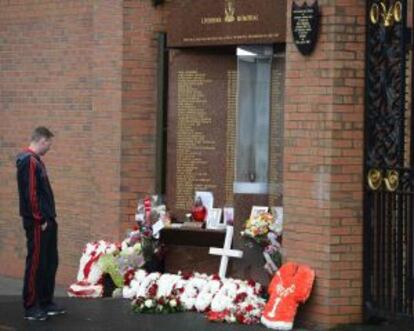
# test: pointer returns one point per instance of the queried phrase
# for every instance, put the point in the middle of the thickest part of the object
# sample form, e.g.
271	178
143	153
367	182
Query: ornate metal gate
389	185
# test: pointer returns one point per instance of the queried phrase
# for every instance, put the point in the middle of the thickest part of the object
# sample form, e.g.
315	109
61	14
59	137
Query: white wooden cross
226	252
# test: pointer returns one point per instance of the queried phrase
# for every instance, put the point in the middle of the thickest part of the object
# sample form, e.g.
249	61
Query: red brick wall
323	160
61	67
139	103
87	69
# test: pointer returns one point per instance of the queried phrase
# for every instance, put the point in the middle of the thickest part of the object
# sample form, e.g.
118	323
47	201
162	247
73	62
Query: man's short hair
41	132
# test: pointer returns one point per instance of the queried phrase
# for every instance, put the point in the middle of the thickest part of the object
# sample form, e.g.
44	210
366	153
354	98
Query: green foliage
109	265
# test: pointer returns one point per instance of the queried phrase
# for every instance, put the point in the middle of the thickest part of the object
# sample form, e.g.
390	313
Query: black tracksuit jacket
37	204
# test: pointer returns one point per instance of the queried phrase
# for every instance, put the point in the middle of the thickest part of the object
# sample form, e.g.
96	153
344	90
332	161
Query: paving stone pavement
116	314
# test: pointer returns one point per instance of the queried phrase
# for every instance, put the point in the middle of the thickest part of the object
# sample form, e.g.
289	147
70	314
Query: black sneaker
35	314
53	310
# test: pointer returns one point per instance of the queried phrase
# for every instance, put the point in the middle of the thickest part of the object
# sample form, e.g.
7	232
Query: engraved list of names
201	127
192	139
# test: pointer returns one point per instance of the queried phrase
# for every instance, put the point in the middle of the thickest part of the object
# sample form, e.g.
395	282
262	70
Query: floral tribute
265	230
120	260
89	281
222	300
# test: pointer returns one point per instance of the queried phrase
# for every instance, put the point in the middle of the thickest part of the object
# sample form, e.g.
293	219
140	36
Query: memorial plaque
276	132
305	26
226	22
201	143
200	130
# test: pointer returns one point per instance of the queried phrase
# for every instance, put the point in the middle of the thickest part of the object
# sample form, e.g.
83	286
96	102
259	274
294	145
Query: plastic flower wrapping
118	260
266	230
130	257
150	211
258	227
140	249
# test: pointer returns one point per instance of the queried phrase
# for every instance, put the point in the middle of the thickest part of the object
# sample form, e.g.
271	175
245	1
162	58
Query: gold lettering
211	20
192	141
237	37
247	18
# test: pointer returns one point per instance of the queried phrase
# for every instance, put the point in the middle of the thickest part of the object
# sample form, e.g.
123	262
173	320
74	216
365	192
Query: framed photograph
214	218
257	210
228	216
277	213
206	197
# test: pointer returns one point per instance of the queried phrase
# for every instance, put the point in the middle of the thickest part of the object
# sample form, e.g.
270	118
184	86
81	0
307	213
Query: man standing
37	209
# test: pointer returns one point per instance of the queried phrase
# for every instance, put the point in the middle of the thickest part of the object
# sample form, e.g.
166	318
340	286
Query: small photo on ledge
214	219
257	210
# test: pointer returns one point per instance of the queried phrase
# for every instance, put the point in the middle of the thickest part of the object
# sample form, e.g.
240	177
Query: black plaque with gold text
226	22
